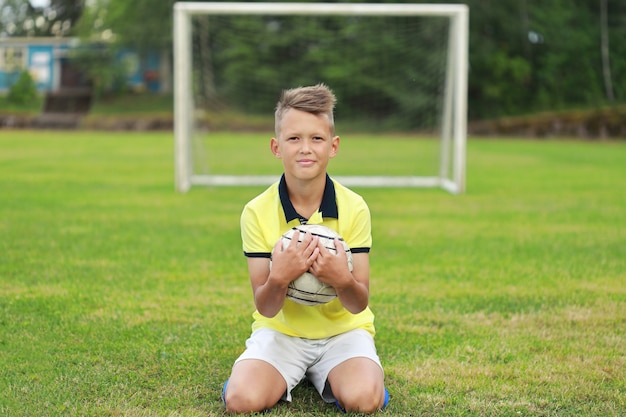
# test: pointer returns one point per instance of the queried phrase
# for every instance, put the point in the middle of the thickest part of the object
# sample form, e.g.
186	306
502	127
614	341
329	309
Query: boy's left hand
332	269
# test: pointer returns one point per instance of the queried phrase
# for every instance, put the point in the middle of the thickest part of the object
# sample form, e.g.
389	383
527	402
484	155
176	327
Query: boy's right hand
294	260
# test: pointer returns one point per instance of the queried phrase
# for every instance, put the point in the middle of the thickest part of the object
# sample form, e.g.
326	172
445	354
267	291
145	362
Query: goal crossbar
362	9
454	124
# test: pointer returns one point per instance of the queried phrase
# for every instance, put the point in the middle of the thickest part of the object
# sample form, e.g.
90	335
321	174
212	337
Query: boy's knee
248	401
363	399
254	386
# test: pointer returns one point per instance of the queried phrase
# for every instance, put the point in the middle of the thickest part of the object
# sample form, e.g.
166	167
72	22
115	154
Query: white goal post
452	163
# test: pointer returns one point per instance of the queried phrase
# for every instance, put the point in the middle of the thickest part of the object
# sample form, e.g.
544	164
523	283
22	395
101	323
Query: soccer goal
396	69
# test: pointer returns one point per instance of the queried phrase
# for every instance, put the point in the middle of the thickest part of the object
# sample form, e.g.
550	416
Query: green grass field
120	297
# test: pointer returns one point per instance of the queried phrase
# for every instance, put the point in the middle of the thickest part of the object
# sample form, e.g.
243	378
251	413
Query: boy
331	344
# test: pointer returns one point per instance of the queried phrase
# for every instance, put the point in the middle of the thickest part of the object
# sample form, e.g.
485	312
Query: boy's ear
334	146
274	147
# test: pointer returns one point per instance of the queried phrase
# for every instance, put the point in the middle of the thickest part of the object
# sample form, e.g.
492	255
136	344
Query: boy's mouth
306	162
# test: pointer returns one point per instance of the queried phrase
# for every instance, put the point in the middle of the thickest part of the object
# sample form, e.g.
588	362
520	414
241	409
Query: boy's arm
268	299
355	295
269	285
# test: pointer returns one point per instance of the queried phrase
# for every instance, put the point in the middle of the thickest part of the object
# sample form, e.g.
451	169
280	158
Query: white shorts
297	358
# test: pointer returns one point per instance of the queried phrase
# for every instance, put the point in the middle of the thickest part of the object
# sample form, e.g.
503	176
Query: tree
606	61
140	24
525	56
501	58
24	91
14	15
528	56
62	16
21	18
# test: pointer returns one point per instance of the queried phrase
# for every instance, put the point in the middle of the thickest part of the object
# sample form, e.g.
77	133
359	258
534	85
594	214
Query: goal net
399	72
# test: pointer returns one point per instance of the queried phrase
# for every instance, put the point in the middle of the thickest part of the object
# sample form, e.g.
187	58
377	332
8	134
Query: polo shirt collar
328	208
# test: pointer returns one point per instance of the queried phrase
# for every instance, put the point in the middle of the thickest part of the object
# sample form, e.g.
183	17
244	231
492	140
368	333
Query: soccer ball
307	289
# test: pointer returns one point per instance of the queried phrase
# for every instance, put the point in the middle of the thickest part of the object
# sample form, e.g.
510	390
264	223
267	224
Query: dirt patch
597	124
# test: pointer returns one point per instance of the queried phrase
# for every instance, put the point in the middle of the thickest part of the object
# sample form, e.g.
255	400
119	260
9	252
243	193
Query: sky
39	3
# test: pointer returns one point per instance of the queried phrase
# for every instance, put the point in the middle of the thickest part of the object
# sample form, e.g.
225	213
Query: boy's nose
306	146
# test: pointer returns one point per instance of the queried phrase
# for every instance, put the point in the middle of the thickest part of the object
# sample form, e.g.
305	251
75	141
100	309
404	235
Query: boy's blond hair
317	99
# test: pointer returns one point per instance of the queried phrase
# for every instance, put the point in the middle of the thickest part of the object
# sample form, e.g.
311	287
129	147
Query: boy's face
305	144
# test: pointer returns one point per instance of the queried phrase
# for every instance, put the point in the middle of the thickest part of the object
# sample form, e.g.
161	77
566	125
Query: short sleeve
253	242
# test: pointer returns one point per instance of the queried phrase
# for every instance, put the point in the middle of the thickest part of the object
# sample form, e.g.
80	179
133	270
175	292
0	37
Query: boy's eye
318	138
292	138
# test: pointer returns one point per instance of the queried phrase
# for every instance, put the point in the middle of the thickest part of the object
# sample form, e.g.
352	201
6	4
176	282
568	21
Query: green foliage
56	18
550	52
133	104
144	25
354	56
98	61
121	297
23	91
524	56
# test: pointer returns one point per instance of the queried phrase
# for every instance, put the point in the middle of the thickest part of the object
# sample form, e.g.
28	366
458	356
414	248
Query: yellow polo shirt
263	221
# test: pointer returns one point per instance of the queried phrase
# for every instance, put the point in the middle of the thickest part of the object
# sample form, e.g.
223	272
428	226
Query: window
12	58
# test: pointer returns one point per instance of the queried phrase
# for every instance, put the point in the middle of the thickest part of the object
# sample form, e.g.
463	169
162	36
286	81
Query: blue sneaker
382	408
386	399
224	392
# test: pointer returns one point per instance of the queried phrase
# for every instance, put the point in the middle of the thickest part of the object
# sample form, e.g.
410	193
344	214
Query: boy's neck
306	196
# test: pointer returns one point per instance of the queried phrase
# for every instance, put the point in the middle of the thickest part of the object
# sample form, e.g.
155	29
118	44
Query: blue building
46	58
